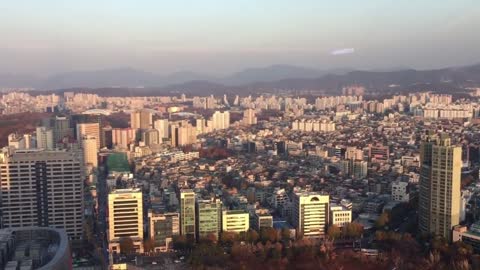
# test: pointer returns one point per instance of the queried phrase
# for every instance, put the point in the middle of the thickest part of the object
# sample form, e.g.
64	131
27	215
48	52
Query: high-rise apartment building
150	137
106	137
359	169
249	117
141	119
187	134
209	218
310	214
440	173
90	130
90	150
200	125
122	137
42	188
175	130
162	126
125	218
44	137
187	213
183	133
220	120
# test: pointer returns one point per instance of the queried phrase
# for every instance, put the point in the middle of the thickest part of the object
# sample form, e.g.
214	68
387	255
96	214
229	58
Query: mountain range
129	77
271	77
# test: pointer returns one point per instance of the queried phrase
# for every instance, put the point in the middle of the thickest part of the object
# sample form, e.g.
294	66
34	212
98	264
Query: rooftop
34	248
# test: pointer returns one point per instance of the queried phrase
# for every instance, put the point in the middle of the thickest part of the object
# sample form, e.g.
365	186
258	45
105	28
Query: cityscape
333	135
213	181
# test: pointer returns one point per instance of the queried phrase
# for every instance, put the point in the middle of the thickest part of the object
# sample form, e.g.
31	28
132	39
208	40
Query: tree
285	234
212	238
179	242
149	245
228	237
251	197
334	232
88	229
206	255
252	236
382	220
268	234
126	245
352	230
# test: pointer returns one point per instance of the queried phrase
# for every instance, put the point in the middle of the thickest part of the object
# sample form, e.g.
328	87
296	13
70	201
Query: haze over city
48	37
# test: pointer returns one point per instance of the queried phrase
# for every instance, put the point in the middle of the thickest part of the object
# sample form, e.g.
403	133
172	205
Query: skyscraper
220	120
90	150
209	218
141	119
249	117
90	130
44	138
61	129
122	137
106	137
187	134
310	214
200	125
42	188
162	126
440	173
150	137
175	132
125	209
187	213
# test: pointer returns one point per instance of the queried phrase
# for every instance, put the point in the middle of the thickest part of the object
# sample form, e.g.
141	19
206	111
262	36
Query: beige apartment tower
90	151
90	130
440	173
125	218
141	119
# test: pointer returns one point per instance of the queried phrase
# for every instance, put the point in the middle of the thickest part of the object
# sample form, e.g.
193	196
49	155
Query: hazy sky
221	36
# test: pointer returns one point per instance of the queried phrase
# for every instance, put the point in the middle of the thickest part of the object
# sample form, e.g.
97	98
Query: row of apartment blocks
199	218
318	125
16	102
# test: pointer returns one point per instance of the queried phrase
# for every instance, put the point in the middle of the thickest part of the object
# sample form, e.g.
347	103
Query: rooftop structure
38	248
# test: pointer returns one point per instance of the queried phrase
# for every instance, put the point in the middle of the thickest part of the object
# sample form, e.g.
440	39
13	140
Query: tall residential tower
440	173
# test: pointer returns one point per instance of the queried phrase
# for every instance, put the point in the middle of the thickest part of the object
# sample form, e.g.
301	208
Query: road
102	195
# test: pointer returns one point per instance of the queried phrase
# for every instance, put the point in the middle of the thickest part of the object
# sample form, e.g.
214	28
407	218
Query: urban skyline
240	135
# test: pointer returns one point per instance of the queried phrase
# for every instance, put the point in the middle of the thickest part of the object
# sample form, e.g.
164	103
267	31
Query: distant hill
125	77
374	80
250	80
271	73
18	80
129	77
